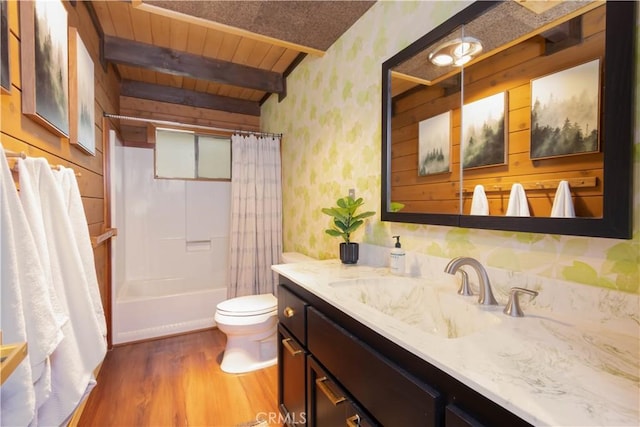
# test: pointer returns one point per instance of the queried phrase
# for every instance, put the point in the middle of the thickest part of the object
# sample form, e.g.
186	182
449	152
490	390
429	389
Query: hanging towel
518	205
42	316
479	203
83	346
75	209
562	203
17	398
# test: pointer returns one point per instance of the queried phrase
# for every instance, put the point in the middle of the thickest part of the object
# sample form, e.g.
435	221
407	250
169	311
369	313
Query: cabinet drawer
329	405
391	395
292	313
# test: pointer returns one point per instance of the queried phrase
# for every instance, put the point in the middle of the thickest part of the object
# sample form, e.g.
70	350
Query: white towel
517	201
17	398
43	317
479	203
562	203
73	201
83	346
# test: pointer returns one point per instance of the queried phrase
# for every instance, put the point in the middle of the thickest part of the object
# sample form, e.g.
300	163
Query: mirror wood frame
617	121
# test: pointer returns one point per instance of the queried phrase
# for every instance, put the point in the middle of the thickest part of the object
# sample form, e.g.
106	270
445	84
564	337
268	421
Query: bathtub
154	308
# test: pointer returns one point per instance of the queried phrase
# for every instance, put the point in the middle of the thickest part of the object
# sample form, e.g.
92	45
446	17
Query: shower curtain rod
187	125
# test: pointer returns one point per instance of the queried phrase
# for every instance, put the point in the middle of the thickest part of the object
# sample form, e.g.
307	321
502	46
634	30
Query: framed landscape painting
565	112
434	145
483	132
5	75
44	48
81	91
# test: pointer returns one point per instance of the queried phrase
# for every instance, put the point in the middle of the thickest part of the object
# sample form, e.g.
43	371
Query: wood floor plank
177	381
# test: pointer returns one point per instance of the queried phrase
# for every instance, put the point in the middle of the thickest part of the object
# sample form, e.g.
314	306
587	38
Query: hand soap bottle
396	263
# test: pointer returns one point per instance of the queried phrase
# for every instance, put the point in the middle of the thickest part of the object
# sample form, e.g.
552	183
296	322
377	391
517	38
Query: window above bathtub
181	154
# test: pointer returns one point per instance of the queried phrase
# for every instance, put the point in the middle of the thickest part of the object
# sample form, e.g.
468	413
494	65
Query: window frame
197	133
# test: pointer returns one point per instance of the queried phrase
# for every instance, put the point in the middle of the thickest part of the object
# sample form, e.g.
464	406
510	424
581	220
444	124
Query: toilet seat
250	305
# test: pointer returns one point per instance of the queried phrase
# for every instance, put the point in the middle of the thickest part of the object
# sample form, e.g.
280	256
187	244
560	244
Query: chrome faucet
486	295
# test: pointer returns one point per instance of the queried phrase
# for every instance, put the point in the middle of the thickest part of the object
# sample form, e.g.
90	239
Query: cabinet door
292	314
291	378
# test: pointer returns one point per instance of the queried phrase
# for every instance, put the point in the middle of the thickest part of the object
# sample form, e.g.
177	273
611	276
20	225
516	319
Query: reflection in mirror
546	130
425	131
528	109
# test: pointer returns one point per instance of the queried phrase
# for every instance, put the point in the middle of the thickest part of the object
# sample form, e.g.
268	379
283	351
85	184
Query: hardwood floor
177	381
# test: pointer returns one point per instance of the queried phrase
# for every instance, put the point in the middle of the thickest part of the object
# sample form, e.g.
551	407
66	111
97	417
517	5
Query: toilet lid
250	305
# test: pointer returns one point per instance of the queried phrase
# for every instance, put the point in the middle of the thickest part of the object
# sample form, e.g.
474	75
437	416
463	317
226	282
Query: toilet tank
294	257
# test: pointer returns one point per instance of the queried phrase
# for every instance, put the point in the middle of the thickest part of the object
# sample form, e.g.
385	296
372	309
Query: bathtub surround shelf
552	367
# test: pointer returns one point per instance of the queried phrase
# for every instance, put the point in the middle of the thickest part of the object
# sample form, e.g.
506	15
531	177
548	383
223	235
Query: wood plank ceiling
223	55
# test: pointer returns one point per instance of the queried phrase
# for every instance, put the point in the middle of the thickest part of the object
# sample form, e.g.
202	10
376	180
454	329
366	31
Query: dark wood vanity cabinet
292	352
353	376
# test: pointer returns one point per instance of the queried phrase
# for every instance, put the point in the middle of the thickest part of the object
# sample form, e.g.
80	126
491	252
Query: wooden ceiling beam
191	98
170	61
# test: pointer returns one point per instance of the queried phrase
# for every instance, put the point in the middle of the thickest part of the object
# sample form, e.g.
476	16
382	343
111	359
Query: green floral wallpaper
331	121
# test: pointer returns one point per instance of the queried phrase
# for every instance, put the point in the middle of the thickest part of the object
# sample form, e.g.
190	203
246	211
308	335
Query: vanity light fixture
456	52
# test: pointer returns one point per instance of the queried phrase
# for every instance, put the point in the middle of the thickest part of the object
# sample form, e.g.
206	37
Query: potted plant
345	222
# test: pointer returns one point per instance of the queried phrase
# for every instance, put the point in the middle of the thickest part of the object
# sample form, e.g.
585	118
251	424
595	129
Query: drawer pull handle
322	385
289	312
353	421
289	346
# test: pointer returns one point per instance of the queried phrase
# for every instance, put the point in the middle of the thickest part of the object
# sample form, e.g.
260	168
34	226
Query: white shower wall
177	232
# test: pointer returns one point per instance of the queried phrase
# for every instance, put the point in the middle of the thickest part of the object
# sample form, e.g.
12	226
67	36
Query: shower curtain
255	241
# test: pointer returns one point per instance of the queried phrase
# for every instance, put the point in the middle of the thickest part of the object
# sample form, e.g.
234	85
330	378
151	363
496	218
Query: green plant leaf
396	206
364	215
342	225
354	226
344	218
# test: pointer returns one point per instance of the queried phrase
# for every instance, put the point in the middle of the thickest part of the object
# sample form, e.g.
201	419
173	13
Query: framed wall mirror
514	116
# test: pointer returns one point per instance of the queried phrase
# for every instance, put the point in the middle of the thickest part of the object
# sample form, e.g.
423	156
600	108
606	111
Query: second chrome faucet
486	295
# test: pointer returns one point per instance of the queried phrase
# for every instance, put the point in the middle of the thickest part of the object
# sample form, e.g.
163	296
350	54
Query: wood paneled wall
19	133
510	71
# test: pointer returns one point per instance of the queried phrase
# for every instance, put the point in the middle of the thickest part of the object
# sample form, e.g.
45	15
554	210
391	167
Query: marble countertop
573	360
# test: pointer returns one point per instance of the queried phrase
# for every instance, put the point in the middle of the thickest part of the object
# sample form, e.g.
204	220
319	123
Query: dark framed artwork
565	110
5	69
81	94
483	132
434	145
45	64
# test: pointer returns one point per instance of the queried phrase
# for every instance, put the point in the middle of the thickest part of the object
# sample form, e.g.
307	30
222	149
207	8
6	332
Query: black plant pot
349	253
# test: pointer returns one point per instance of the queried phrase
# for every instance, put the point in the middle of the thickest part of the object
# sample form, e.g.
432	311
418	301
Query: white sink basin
420	304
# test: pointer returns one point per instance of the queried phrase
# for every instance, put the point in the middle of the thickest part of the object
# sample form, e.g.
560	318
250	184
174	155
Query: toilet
250	324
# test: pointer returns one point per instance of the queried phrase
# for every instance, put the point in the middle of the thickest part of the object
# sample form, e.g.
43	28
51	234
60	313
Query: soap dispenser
396	263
